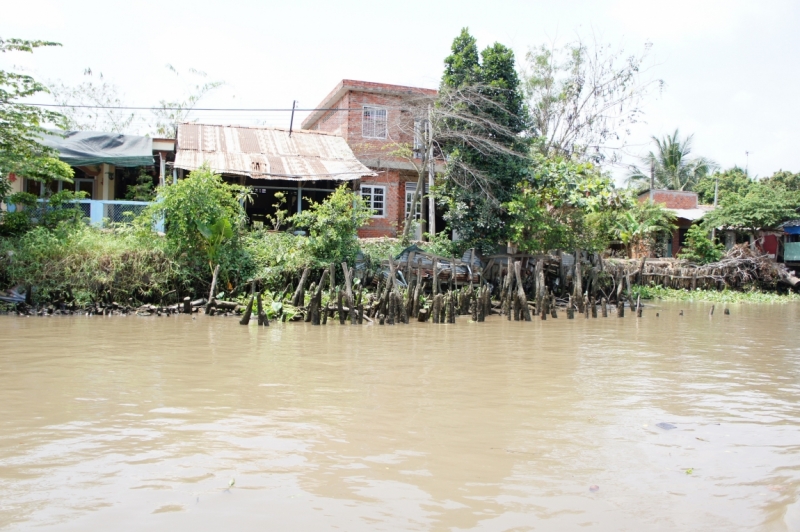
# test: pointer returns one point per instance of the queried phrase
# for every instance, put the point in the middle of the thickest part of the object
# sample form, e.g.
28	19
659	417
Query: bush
191	208
56	210
81	263
699	247
333	226
274	257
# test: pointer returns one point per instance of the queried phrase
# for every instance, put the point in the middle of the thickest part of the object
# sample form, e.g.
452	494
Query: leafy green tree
21	153
783	179
481	175
640	225
192	205
732	180
561	205
699	247
759	207
462	66
333	225
674	168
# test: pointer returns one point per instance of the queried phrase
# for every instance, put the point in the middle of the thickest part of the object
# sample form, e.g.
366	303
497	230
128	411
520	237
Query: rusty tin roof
267	153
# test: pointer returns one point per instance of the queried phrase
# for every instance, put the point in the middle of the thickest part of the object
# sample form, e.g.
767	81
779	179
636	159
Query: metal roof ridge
262	128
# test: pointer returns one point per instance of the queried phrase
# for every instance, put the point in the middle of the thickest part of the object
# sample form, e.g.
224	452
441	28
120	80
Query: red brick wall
348	124
672	199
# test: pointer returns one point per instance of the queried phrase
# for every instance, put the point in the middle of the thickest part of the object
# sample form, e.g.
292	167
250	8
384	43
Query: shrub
86	264
189	209
699	247
333	226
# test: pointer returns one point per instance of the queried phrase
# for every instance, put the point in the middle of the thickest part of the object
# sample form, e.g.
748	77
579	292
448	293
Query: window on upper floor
374	123
375	198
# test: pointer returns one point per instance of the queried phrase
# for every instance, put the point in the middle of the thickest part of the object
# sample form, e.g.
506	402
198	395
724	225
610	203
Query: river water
131	423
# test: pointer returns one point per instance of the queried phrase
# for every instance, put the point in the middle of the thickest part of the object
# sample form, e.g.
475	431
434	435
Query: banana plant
215	235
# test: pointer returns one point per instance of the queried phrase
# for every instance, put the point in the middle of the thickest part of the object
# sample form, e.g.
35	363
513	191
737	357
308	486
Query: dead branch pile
740	266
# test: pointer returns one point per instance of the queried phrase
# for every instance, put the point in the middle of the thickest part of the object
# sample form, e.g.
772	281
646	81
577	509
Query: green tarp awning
86	148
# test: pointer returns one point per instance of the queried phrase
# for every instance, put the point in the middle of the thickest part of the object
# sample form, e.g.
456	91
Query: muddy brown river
660	423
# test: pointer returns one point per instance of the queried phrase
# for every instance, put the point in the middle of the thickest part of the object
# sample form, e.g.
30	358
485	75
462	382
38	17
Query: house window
375	198
411	189
373	123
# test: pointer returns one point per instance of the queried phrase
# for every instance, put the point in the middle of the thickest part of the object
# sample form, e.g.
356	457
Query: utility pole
747	164
431	170
291	120
716	198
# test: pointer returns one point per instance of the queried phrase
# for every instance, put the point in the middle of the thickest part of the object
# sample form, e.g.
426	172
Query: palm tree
639	225
673	168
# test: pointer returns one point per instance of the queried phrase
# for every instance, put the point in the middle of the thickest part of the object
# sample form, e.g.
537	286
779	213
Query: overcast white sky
731	67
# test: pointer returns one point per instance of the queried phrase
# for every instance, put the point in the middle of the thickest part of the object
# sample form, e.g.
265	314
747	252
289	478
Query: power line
127	108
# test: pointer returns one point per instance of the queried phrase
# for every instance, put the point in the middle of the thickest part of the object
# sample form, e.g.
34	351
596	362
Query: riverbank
715	296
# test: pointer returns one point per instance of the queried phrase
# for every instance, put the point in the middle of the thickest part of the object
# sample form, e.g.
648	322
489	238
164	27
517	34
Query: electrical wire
233	109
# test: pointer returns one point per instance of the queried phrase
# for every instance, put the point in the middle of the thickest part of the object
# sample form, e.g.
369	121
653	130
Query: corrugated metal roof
267	153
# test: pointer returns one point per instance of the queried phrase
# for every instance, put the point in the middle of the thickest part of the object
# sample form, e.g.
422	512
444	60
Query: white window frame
368	193
365	133
411	189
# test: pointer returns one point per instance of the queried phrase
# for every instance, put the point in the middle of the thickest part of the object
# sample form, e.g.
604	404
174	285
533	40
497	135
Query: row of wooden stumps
514	301
391	304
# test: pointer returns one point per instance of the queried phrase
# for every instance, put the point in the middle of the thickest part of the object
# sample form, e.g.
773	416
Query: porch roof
267	153
85	148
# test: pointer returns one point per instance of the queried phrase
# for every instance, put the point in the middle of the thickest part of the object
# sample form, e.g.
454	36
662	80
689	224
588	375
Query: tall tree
478	181
583	97
759	207
21	153
93	105
674	168
725	182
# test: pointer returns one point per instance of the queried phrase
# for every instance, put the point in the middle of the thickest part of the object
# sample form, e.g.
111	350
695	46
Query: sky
730	68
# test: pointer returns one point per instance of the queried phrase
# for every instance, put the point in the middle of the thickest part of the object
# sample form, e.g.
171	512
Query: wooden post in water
316	300
586	306
187	305
638	307
262	316
578	281
523	299
340	306
417	290
594	307
545	307
310	309
211	292
437	308
348	284
604	307
539	274
570	310
299	294
247	311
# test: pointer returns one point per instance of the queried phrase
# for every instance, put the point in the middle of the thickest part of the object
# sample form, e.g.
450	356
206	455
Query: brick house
683	204
374	120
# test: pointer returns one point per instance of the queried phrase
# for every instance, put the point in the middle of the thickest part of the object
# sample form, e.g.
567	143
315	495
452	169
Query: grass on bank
713	296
